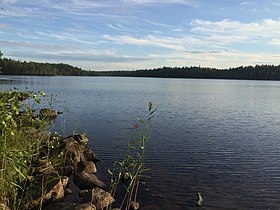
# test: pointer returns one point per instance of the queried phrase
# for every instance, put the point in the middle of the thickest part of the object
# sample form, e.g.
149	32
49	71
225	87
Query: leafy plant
22	136
130	170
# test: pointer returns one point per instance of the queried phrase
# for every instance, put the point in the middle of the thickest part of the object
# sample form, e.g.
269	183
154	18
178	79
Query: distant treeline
12	67
258	72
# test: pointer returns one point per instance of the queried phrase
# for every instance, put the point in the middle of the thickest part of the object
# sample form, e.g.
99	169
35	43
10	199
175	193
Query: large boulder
53	189
81	138
85	180
89	155
72	152
86	166
97	196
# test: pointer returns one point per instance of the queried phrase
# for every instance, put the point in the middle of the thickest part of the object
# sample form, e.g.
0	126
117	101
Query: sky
141	34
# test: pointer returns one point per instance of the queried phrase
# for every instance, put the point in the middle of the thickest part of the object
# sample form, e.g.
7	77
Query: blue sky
137	34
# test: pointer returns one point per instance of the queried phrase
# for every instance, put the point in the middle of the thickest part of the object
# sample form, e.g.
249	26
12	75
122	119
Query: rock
85	206
4	207
87	166
64	181
61	206
67	191
45	167
85	180
49	113
81	138
73	152
97	196
89	155
53	187
70	206
67	170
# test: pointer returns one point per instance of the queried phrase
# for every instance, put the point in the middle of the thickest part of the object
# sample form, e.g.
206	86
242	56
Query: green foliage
258	72
130	170
21	139
13	67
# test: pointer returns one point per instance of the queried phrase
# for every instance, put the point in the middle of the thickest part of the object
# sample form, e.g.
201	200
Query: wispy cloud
177	30
7	43
150	40
245	3
63	36
186	2
104	56
155	23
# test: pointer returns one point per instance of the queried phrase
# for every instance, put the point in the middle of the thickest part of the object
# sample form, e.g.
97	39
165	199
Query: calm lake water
217	137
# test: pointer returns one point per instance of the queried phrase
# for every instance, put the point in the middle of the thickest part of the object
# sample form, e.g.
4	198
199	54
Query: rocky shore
76	185
62	172
70	181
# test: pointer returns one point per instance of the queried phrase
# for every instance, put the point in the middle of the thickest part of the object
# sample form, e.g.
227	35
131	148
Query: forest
258	72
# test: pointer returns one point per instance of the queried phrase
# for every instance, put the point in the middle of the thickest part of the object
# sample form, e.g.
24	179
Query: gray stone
89	155
85	180
97	196
73	152
85	206
45	167
53	187
81	138
68	191
87	166
49	113
61	206
64	181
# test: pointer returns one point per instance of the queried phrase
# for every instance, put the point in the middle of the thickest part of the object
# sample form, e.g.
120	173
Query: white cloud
216	59
228	32
64	36
208	34
177	30
275	42
186	2
155	23
245	3
149	40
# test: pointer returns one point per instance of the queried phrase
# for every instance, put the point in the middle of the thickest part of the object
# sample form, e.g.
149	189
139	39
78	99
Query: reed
128	172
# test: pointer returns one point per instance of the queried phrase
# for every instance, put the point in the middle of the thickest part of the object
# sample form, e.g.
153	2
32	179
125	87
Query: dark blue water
217	137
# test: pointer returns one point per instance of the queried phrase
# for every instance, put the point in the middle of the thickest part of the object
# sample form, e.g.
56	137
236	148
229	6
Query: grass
22	138
128	172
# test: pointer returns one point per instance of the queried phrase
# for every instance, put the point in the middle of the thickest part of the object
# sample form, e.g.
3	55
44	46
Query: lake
217	137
